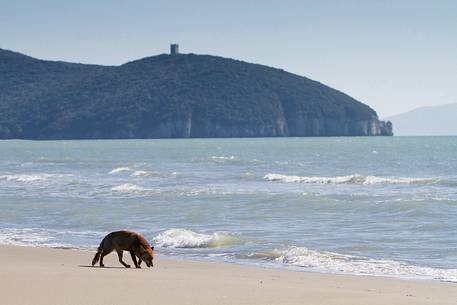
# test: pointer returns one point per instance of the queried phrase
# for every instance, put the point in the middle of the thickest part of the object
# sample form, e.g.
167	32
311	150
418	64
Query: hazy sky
391	55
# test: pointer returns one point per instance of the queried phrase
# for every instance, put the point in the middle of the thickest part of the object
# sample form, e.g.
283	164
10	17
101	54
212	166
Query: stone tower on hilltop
174	49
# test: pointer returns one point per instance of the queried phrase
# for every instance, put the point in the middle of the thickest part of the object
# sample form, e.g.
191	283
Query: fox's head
147	255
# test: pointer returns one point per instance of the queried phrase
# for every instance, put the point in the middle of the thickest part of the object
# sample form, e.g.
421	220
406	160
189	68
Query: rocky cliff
171	96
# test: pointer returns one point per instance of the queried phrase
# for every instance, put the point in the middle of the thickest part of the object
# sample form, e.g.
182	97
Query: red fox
121	241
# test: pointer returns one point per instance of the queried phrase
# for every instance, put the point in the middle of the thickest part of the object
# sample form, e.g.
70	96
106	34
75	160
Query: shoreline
252	264
40	275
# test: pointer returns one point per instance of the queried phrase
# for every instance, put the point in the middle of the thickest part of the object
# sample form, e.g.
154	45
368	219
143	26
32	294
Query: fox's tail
97	255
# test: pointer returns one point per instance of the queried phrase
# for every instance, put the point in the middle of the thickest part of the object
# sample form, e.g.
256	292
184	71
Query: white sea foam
227	159
23	237
398	180
281	162
25	178
37	237
350	179
222	158
136	190
182	238
248	174
128	188
339	263
304	179
145	174
120	170
30	178
141	174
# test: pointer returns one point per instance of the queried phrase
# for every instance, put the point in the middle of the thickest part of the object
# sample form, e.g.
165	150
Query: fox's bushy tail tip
97	256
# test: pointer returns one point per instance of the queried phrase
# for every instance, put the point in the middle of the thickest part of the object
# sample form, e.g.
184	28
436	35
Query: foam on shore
330	262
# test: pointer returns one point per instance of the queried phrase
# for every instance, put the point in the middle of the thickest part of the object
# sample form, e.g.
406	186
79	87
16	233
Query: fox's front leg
132	254
137	253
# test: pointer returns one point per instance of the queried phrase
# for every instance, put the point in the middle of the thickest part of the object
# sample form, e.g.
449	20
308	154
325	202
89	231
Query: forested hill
168	96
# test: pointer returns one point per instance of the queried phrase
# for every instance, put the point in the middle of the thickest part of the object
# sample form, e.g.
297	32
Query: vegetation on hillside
168	96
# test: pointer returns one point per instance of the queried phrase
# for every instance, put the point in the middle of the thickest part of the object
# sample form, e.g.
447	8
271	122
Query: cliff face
299	127
171	96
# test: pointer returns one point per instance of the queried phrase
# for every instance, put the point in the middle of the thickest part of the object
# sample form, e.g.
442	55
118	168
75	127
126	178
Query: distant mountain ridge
171	96
427	121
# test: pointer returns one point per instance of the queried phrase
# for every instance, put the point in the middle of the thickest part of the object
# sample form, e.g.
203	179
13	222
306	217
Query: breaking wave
120	170
339	263
25	178
182	238
350	179
136	173
28	178
222	158
128	188
37	237
226	159
141	174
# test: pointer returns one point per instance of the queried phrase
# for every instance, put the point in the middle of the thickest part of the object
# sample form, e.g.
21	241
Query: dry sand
35	276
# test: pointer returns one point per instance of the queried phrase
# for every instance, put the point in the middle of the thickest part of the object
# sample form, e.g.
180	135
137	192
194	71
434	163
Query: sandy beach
35	276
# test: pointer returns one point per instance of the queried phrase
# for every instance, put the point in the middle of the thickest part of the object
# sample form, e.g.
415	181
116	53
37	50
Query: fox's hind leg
102	255
119	253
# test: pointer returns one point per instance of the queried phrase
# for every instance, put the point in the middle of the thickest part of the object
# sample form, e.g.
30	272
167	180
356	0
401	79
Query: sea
378	206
